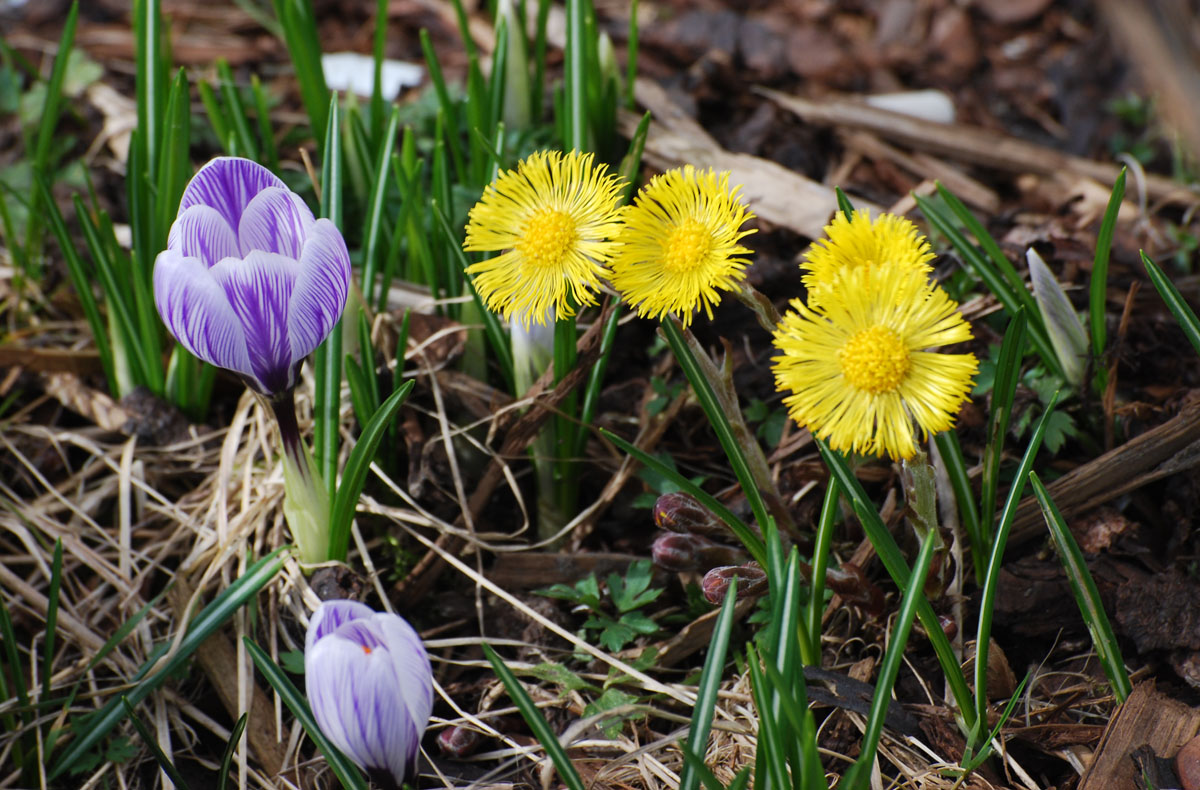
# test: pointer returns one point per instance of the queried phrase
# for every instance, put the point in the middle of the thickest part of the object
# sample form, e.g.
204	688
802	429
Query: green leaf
537	723
1098	291
1175	302
345	770
230	747
201	628
1085	592
612	698
1062	323
354	476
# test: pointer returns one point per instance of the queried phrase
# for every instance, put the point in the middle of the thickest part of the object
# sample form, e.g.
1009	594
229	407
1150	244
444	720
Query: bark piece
1147	718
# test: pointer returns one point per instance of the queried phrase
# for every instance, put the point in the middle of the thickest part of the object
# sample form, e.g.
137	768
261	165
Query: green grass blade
151	84
373	233
1086	594
175	165
1175	302
1011	298
960	480
497	337
1098	290
205	623
772	743
80	279
893	559
539	58
822	545
860	774
595	381
343	768
114	287
991	579
378	46
717	418
266	136
9	641
707	688
631	164
537	723
303	44
52	616
575	69
327	362
360	397
701	772
52	104
1008	373
147	737
448	107
989	245
843	203
354	476
221	125
237	110
739	528
230	748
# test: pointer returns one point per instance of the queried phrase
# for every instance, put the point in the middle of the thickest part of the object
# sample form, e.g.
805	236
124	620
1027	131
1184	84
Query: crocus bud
370	687
752	582
680	512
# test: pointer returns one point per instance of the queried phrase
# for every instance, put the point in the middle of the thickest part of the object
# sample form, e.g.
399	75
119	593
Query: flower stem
306	499
721	381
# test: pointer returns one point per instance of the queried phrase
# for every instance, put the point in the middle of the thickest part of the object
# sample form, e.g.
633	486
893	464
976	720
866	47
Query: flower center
687	247
549	235
875	360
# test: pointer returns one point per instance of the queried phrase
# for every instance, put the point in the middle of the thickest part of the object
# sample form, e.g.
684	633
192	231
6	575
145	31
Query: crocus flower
250	281
370	687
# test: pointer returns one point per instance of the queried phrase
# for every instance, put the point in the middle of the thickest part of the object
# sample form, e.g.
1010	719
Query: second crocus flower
370	687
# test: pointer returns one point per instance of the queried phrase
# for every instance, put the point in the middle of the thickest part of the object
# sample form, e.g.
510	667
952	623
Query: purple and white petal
321	288
228	184
201	232
259	289
197	312
276	220
370	687
330	615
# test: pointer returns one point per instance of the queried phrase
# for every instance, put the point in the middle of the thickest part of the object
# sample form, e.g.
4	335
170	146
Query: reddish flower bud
457	742
678	552
752	582
680	512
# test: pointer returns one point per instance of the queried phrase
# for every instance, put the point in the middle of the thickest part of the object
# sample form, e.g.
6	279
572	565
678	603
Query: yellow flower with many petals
858	365
679	244
554	218
858	242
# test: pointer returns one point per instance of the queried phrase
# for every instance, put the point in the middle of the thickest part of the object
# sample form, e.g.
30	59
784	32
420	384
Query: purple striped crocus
370	687
250	281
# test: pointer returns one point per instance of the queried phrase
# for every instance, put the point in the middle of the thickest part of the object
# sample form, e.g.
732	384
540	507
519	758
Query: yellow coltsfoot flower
859	367
860	242
679	244
554	217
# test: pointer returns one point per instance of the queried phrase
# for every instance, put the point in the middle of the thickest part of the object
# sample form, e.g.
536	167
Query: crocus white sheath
250	281
370	687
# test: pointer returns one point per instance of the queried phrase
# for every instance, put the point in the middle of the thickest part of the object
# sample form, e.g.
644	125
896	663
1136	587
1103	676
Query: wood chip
965	143
1146	718
776	194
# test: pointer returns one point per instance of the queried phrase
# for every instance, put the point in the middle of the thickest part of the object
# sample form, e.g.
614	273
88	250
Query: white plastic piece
928	105
350	71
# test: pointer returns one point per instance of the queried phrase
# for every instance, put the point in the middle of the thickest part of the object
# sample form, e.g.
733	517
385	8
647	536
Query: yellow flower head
857	243
554	217
679	244
858	365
